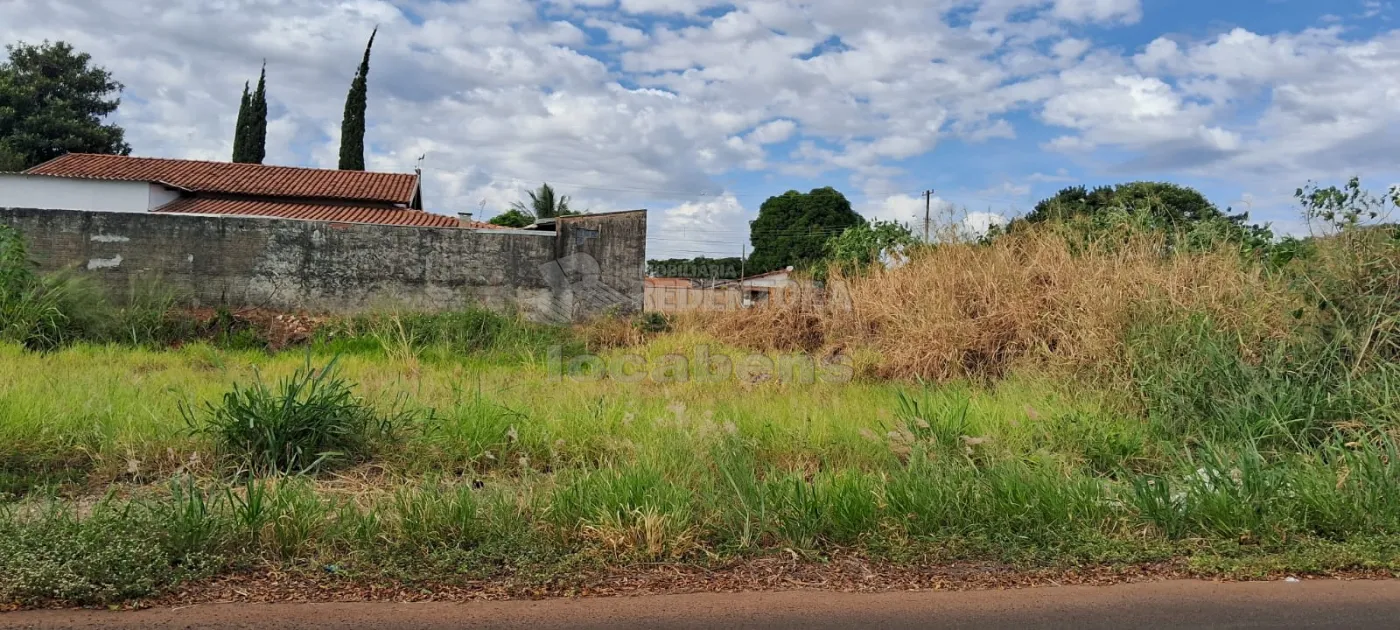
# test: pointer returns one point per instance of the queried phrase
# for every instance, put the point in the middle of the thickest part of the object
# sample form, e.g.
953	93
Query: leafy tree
352	126
545	204
865	244
512	218
240	127
52	102
1168	204
792	229
11	160
1348	207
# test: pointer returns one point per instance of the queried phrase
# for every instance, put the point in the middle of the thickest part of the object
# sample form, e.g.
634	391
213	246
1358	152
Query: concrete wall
66	193
593	264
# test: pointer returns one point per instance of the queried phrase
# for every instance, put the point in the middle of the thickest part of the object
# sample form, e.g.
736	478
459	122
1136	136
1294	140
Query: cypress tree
240	128
257	124
352	126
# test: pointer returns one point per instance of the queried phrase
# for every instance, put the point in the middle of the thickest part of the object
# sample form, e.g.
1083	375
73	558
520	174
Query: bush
311	420
115	554
654	323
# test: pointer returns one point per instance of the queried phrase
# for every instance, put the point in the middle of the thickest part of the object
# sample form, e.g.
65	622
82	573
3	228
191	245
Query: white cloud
1006	189
1099	10
503	94
715	227
1060	176
620	34
1132	111
979	223
684	7
773	132
1071	48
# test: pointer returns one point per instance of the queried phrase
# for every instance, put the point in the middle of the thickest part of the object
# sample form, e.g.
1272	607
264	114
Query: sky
699	110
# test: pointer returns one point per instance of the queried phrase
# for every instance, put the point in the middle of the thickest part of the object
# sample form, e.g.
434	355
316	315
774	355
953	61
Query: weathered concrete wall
283	264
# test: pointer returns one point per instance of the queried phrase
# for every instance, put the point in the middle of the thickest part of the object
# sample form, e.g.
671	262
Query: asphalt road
1178	604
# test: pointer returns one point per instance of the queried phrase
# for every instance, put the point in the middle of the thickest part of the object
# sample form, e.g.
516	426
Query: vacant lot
1046	402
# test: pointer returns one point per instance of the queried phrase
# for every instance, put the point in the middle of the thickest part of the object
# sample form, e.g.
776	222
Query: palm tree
545	204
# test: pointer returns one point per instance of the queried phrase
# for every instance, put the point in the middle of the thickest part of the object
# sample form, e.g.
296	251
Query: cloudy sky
701	109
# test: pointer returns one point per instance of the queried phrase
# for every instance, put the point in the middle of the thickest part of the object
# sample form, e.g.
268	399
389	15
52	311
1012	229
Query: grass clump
309	421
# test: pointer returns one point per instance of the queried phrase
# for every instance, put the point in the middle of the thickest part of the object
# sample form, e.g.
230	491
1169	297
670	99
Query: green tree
512	218
1348	207
250	133
863	245
545	204
52	102
352	126
240	127
792	229
257	121
1167	204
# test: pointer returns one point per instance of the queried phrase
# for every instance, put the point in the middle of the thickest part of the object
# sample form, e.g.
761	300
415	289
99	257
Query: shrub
654	323
308	422
114	554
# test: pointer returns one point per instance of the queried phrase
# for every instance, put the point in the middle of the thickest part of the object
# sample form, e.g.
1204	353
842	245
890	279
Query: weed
310	421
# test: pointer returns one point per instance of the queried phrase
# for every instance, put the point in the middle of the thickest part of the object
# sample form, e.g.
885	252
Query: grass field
1206	420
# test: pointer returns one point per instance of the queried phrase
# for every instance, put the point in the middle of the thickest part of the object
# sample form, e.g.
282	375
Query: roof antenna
419	168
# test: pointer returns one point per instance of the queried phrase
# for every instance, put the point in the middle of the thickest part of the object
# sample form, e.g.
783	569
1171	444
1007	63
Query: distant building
680	295
113	183
766	287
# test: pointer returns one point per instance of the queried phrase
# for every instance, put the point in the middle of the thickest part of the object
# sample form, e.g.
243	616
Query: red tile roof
238	179
330	212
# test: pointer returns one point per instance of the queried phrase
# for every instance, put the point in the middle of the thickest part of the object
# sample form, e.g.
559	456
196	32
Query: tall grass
1055	399
443	336
44	312
1043	297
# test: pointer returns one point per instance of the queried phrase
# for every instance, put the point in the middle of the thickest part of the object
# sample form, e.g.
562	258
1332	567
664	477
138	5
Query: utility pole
928	207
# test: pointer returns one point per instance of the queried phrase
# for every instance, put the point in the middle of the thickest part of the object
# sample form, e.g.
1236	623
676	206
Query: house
678	295
767	287
113	183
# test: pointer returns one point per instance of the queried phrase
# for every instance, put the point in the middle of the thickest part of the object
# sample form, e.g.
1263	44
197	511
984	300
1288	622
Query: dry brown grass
1044	296
609	331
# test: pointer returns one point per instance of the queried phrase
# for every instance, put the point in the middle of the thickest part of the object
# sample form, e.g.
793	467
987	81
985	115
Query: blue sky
701	109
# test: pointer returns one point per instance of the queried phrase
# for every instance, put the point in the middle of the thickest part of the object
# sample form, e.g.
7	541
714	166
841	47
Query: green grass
447	448
497	467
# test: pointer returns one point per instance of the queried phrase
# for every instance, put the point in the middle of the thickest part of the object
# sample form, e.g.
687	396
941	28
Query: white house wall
160	196
64	193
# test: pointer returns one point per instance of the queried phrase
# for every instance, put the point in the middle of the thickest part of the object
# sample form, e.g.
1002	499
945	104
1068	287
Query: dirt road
1178	604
